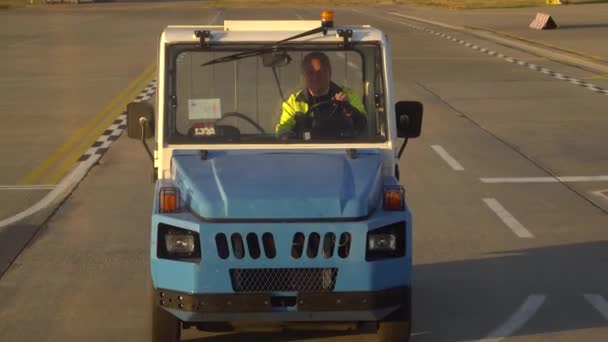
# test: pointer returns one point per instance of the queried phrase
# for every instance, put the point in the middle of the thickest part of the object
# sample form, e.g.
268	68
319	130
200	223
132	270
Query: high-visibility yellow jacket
300	101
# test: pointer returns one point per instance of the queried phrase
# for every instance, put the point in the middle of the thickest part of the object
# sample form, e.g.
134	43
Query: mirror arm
402	148
143	122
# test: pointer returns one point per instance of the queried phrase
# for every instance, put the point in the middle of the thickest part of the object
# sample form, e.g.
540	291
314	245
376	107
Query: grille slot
329	243
344	245
238	249
297	246
283	279
313	245
221	244
269	247
253	245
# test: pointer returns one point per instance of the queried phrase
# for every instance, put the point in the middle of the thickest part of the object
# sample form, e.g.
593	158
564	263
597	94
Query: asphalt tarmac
510	237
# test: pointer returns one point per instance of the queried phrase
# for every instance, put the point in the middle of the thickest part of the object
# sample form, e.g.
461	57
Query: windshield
298	94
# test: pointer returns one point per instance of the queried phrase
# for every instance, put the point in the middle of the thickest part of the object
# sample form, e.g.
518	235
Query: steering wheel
244	117
332	125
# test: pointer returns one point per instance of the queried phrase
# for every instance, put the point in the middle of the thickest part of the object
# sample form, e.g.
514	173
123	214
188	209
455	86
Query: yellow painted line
74	139
70	159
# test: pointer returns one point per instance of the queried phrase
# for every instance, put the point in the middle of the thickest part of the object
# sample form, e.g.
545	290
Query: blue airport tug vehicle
277	202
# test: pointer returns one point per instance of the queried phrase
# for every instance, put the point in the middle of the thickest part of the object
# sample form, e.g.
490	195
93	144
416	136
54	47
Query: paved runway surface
503	247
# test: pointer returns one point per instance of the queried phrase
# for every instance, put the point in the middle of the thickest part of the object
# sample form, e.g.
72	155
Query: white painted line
454	164
353	65
567	179
520	180
350	64
27	187
507	218
215	17
599	303
601	193
66	185
517	320
584	179
509	59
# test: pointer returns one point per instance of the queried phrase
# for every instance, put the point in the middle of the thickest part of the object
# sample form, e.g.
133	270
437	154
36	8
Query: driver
326	99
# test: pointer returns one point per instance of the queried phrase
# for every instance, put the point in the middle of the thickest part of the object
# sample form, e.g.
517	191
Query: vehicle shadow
279	337
141	1
468	299
13	239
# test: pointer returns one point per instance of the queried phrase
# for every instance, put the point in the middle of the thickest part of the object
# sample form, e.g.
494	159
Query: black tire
397	327
165	326
394	331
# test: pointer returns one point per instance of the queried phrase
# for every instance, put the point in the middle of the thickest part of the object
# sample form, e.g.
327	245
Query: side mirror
409	118
135	111
276	59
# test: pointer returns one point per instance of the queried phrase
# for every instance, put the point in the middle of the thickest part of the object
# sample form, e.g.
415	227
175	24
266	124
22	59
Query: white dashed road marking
454	164
508	219
517	320
601	193
599	303
567	179
509	59
350	64
215	17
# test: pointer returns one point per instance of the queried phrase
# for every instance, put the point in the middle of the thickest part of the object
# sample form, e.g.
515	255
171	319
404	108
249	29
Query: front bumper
303	306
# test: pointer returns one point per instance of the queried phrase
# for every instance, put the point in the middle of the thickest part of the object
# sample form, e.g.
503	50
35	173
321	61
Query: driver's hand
341	96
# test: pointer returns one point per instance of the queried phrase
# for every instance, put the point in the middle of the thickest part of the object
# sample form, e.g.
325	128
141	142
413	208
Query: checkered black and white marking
525	64
102	144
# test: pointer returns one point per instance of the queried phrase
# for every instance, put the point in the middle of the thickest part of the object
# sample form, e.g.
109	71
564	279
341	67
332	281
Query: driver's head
317	73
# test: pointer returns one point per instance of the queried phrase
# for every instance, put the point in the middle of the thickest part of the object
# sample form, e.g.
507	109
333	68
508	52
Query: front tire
394	331
165	326
397	326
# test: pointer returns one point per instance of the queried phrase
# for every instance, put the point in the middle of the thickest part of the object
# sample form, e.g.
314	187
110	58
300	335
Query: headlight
178	243
382	242
386	242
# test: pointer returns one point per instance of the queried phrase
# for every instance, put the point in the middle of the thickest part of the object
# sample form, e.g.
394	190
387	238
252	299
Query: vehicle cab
270	205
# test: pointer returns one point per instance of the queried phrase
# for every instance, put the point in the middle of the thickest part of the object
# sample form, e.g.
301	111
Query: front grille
283	279
254	246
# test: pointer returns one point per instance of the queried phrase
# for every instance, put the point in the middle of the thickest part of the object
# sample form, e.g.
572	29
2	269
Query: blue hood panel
279	184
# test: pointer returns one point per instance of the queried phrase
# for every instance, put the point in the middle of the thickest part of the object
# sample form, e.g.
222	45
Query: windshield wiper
239	55
263	50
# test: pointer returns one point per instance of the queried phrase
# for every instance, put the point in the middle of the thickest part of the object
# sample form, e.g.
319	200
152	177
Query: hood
280	184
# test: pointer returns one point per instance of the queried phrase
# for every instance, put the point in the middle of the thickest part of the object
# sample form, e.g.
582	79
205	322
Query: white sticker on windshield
204	109
204	131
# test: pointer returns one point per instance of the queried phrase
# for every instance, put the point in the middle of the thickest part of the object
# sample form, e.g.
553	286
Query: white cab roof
268	31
